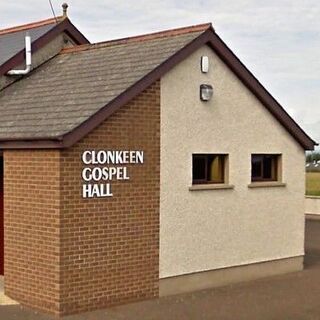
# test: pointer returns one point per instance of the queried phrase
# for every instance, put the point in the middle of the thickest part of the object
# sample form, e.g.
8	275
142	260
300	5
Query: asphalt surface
294	296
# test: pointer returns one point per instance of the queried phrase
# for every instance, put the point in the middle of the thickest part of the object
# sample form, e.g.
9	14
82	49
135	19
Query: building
48	38
145	166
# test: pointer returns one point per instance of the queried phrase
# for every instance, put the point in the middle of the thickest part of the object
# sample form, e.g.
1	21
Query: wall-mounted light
206	92
204	64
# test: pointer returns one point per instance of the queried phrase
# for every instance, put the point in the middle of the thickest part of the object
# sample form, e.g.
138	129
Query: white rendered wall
204	230
312	205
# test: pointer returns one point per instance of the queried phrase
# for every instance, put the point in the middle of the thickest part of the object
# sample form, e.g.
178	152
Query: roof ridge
142	37
31	25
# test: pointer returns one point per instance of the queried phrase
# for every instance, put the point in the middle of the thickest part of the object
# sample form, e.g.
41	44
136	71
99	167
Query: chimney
65	8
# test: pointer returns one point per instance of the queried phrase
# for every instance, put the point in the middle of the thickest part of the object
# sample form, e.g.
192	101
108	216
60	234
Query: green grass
313	184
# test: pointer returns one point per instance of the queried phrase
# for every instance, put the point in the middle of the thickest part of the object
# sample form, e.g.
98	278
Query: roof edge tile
31	25
143	37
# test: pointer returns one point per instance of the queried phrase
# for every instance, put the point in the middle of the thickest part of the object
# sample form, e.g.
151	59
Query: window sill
266	184
218	186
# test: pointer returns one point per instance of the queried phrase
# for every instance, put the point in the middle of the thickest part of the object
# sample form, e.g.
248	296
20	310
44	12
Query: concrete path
4	300
295	296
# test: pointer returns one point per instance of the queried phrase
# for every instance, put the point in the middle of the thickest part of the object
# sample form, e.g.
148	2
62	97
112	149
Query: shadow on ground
294	296
312	247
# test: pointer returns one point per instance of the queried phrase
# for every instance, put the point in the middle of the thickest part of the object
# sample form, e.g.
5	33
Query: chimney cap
65	8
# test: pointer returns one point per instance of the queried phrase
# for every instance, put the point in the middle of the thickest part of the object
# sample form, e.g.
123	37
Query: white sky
278	40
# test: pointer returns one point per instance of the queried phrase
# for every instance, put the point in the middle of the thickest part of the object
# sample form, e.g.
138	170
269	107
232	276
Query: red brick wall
110	246
32	210
65	254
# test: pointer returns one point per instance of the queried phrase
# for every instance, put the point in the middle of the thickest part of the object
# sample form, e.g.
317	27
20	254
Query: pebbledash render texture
66	254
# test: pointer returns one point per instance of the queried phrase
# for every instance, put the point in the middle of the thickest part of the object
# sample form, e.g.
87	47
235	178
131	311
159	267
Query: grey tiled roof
67	90
13	42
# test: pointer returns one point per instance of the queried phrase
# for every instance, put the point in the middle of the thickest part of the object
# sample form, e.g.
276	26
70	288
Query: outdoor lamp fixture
206	92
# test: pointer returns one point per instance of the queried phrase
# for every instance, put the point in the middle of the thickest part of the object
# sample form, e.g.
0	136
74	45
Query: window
208	168
265	167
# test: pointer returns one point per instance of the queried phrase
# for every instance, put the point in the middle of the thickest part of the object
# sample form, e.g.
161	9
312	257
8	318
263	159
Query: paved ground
4	300
295	296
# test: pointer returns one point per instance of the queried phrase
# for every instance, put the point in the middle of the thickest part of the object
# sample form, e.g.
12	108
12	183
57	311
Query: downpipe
28	60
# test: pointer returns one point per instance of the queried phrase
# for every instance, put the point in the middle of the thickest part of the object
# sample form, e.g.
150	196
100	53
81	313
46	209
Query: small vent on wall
204	64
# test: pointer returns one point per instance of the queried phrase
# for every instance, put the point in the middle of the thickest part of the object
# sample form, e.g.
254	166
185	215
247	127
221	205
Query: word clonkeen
104	166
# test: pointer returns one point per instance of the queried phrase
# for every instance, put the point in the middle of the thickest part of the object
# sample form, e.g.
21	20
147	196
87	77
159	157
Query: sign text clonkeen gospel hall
104	166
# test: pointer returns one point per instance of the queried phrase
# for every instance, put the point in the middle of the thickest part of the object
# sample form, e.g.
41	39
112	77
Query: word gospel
96	171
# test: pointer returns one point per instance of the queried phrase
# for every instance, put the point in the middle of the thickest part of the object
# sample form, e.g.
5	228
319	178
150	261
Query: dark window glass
267	167
208	168
264	167
199	168
256	167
